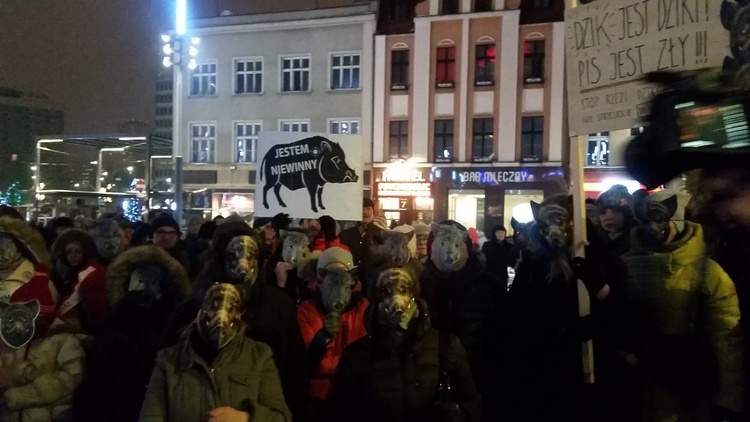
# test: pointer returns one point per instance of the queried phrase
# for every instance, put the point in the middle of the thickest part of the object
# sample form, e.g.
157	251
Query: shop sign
403	189
402	181
499	176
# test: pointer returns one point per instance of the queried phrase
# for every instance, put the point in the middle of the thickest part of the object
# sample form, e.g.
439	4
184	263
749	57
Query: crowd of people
281	319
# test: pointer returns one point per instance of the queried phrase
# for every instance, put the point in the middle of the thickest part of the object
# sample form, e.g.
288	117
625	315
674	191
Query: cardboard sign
612	44
309	175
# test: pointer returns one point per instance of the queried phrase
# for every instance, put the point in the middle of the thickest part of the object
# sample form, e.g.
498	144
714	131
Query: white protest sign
612	44
308	175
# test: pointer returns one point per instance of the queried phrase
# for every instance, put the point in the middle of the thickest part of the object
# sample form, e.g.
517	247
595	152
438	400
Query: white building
301	71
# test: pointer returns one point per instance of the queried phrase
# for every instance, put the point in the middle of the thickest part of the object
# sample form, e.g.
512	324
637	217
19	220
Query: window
399	144
482	5
446	67
532	138
203	79
344	127
248	76
533	61
345	71
203	142
399	69
485	65
443	141
482	140
294	126
598	149
449	7
400	10
246	140
295	74
540	4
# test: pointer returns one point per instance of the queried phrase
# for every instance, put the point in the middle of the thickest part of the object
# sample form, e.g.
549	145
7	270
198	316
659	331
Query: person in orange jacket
331	321
328	236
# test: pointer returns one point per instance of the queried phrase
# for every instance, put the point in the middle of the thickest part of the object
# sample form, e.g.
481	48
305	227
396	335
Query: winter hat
328	227
207	230
224	233
260	222
165	220
616	197
336	255
380	223
406	229
421	229
280	222
682	200
6	211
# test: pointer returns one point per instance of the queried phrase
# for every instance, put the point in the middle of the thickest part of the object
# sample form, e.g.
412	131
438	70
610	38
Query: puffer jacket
377	380
325	357
681	292
50	373
184	388
469	305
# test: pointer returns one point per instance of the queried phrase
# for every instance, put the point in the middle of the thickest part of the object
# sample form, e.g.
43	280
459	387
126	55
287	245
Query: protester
61	224
422	232
111	238
166	235
466	301
219	219
144	285
617	218
215	371
328	237
79	280
330	321
358	238
497	252
404	366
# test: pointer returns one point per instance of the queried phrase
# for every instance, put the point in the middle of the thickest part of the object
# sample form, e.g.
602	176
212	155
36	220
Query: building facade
23	117
469	107
300	71
163	113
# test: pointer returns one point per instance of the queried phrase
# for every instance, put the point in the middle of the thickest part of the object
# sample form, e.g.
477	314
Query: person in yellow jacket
688	318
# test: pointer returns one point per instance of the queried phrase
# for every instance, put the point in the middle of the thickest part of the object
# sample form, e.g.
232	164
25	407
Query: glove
281	271
331	323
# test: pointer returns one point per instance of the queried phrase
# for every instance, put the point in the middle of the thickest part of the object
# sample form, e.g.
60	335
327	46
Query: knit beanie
421	229
616	197
328	227
336	255
165	220
682	200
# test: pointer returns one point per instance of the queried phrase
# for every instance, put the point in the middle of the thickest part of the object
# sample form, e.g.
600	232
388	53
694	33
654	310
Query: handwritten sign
612	44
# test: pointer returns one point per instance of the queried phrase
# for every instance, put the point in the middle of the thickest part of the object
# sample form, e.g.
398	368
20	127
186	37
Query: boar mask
337	288
220	316
17	322
395	292
241	259
148	278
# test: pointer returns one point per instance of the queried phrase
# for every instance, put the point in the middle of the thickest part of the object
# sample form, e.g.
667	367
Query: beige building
468	109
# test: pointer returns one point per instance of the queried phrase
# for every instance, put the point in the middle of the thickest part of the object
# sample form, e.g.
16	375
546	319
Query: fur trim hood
74	235
119	272
30	242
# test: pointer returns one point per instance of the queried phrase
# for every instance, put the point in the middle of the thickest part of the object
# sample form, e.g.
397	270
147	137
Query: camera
695	122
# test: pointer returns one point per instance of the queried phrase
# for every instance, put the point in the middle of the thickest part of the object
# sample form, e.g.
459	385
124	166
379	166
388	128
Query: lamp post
179	51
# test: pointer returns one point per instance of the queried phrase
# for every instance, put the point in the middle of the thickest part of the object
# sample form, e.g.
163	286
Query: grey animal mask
395	245
655	217
9	253
241	259
17	322
448	251
220	316
107	237
295	246
555	224
337	288
148	278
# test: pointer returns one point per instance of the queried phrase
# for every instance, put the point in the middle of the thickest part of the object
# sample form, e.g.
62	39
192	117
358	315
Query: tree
12	196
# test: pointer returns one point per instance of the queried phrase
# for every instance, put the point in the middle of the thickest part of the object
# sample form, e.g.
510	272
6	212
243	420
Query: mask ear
282	234
33	306
409	236
671	204
514	224
434	228
379	237
535	209
353	272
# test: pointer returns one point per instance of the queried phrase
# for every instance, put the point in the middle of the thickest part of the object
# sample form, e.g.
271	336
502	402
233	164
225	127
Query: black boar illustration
309	163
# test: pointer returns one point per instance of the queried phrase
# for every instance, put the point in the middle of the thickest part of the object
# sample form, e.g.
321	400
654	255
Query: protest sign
612	44
309	175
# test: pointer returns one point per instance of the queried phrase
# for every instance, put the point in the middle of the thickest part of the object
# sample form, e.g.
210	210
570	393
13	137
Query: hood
687	249
30	242
118	273
491	235
224	234
74	235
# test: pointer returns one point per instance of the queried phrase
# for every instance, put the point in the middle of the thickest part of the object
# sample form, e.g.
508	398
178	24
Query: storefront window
467	207
598	150
517	205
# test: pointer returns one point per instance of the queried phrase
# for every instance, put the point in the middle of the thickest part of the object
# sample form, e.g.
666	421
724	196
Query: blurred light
167	49
33	168
181	17
173	206
193	51
195	40
169	180
522	213
192	64
41	185
125	205
33	177
166	62
50	140
130	168
166	38
101	178
93	163
78	185
132	138
105	173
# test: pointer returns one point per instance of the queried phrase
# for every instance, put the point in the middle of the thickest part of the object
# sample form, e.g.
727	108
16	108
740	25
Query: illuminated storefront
404	193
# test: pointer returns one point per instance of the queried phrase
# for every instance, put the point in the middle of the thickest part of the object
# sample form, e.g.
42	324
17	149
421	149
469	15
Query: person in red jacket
79	279
24	268
330	321
328	237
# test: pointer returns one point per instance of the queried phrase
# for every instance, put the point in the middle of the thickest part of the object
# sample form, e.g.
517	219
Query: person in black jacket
357	238
270	315
497	251
466	301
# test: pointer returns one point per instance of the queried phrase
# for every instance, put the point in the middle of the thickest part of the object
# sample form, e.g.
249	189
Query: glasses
164	233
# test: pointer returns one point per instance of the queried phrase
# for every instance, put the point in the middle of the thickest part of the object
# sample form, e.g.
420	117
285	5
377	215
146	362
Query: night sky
97	58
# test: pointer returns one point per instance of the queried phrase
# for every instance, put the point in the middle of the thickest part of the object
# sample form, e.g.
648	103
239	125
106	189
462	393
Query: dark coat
271	318
469	305
358	241
497	254
378	381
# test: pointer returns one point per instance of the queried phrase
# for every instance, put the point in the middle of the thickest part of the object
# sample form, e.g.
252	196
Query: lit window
203	79
443	141
344	127
345	71
446	67
246	139
203	142
484	65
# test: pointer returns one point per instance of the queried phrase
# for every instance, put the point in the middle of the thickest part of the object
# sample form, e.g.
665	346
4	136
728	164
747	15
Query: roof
159	145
